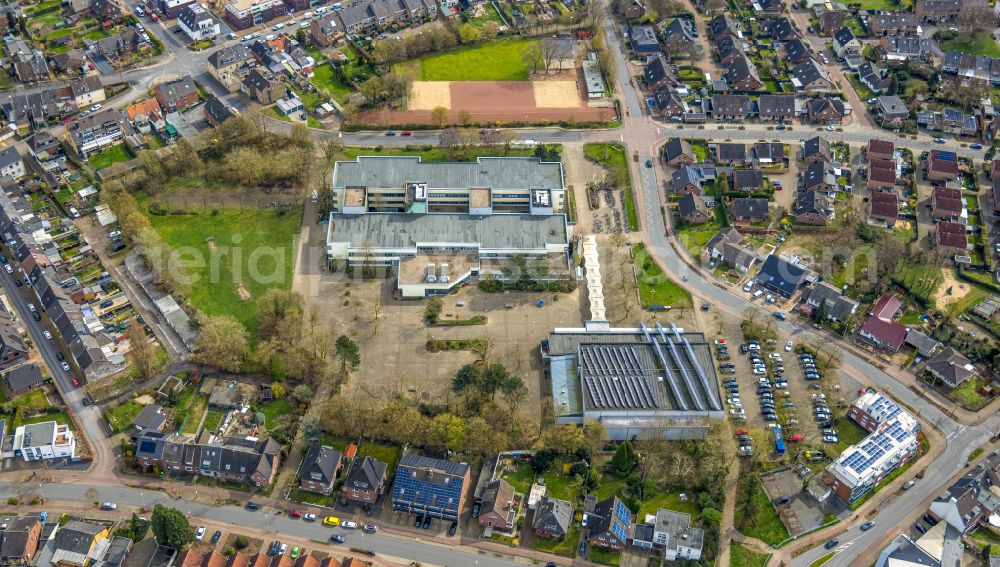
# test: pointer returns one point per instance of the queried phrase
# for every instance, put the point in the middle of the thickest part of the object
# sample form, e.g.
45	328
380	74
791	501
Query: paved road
266	520
88	416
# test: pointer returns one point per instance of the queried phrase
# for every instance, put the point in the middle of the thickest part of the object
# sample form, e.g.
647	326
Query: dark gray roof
683	176
491	172
812	202
657	70
413	460
808	72
774	151
780	275
218	110
781	29
690	204
815	146
553	516
151	417
676	147
320	464
24	377
737	256
14	538
776	105
9	157
77	536
795	50
679	27
740	69
365	473
230	55
731	152
177	89
403	230
744	179
722	24
725	234
730	104
843	36
750	207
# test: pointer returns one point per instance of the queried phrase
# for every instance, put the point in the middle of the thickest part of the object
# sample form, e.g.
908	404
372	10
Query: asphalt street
267	520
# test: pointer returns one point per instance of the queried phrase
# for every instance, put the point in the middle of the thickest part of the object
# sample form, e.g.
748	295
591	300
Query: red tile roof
886	307
952	234
881	147
884	205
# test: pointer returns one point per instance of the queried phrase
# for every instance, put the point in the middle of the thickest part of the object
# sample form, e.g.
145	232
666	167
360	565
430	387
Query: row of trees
433	38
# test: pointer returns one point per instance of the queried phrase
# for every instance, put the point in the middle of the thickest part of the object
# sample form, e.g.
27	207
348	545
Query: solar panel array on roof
884	409
428	486
622	513
619	531
947	156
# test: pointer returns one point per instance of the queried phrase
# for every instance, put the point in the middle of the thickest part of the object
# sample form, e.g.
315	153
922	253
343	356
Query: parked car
199	534
351	525
64	365
831	544
310	517
216	536
782	500
452	528
252	506
921	528
337	538
830	439
369	528
331	521
109	506
867	526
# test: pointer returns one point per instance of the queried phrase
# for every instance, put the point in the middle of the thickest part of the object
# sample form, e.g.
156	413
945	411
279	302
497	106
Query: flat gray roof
405	230
39	434
493	172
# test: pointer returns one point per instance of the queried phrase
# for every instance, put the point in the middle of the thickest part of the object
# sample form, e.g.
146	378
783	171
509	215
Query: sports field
496	61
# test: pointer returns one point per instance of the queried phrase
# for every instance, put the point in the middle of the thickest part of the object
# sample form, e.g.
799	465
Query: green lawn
822	560
921	280
491	15
428	153
669	502
495	61
605	557
114	154
981	44
94	35
557	485
388	454
849	433
758	518
968	394
326	80
265	248
566	547
33	400
273	409
877	4
521	478
197	409
655	288
694	237
613	157
213	419
610	486
120	417
740	556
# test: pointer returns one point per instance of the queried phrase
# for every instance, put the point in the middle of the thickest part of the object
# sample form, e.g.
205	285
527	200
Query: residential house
950	120
880	329
743	76
951	367
952	235
829	302
996	195
725	235
230	64
197	23
497	508
11	164
243	14
768	153
722	26
326	30
20	540
880	149
942	165
76	542
811	77
95	132
692	209
150	418
893	111
146	115
87	91
679	30
673	532
893	24
30	66
815	149
318	472
830	21
940	10
730	107
780	29
217	111
920	342
13	349
731	154
881	174
826	110
971	500
738	257
70	62
780	276
553	518
749	210
632	9
170	8
643	40
813	207
243	459
24	378
873	78
45	440
178	94
795	51
657	74
106	10
747	180
115	46
883	209
261	86
729	49
819	177
948	204
906	48
668	103
767	7
776	108
609	524
844	42
46	150
430	487
686	180
677	152
364	482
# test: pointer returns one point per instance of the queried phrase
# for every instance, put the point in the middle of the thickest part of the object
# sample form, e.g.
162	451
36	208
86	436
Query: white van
321	10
